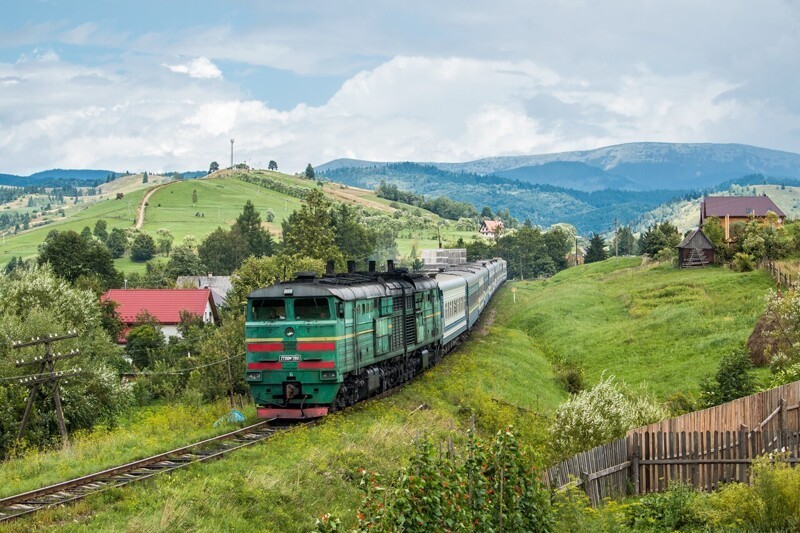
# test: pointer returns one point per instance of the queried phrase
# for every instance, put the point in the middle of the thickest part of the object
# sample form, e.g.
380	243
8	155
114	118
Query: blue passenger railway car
317	345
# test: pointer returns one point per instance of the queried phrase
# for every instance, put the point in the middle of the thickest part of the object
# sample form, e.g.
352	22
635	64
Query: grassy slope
653	325
118	214
648	324
220	199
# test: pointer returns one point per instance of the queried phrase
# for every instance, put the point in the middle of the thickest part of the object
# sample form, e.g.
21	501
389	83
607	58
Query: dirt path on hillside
349	196
143	204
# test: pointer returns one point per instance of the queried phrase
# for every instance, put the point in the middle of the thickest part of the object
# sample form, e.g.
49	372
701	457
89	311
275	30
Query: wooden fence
705	448
782	278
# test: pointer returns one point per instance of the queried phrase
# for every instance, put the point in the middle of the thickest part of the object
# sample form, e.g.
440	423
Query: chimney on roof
329	268
371	266
390	265
351	267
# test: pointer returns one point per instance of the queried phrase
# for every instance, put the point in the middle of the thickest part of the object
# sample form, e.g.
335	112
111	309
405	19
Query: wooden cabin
695	250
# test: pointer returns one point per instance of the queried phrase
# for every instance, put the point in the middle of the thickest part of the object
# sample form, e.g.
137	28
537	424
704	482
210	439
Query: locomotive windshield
269	309
311	309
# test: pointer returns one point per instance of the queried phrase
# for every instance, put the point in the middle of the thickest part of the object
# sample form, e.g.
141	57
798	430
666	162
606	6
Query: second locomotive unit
317	345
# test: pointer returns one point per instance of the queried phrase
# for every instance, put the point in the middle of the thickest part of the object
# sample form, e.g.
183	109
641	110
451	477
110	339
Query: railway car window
269	310
311	309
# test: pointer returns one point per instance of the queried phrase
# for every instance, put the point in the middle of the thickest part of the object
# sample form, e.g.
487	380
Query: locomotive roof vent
330	268
308	275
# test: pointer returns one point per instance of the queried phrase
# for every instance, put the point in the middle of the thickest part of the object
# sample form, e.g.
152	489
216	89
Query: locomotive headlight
254	376
289	332
328	374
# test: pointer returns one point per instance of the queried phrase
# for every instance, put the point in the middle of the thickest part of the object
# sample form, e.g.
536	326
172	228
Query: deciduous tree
223	251
143	247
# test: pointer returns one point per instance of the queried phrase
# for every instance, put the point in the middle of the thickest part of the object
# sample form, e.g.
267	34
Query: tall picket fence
704	448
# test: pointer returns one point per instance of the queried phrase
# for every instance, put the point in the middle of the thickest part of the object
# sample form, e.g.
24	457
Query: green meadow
117	213
650	325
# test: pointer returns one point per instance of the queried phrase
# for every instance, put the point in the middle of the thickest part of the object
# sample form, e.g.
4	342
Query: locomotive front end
291	348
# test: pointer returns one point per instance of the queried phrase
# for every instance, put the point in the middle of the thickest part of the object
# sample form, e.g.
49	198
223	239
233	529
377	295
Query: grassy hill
220	200
650	325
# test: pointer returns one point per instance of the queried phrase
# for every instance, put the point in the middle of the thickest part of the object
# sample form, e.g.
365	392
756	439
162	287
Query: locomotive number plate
290	358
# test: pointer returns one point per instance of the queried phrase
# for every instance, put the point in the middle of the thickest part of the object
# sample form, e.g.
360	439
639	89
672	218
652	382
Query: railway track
13	507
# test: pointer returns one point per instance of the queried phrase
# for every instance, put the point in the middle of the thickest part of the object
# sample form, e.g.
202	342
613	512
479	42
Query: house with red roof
165	305
732	209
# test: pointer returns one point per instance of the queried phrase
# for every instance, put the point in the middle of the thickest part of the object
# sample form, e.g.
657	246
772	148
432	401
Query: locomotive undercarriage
380	377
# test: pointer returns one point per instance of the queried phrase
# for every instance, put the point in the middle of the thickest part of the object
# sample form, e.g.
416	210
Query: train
315	345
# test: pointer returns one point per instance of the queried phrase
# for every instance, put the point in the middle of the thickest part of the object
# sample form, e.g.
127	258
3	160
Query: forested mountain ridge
543	204
639	166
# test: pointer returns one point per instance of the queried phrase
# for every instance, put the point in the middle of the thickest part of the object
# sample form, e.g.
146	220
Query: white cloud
200	67
138	116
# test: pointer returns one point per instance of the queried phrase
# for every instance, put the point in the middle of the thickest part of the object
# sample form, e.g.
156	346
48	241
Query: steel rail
12	507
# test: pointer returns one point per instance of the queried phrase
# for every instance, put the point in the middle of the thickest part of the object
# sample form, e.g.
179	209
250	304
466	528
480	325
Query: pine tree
309	231
310	174
194	196
597	249
248	224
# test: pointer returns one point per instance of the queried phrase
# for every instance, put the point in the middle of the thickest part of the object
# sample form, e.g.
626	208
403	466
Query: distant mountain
82	175
543	204
638	166
569	174
58	177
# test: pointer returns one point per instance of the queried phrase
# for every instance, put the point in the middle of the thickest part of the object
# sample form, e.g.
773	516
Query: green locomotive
316	345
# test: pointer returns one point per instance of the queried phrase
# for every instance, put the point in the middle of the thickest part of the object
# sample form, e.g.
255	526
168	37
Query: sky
165	85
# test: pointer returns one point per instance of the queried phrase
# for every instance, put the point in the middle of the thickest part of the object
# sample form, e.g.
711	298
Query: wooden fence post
781	423
635	465
586	488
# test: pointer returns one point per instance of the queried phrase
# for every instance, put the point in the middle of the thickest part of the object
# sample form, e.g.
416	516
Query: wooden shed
695	250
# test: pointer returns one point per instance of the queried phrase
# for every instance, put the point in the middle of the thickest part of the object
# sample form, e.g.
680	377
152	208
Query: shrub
599	415
486	487
673	510
571	376
743	262
733	379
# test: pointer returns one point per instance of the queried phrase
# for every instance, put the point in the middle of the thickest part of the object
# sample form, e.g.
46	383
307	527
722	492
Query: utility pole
46	374
616	241
576	250
231	154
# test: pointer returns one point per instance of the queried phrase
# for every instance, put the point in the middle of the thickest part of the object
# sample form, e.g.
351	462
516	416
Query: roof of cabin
696	239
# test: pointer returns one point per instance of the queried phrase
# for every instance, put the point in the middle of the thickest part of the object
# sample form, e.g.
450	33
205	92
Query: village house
219	285
491	228
732	209
164	305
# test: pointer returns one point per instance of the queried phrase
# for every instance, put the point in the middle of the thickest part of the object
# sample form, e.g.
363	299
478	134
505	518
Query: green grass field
117	213
220	200
651	325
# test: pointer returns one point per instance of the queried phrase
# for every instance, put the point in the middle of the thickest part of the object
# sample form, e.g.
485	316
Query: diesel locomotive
315	345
